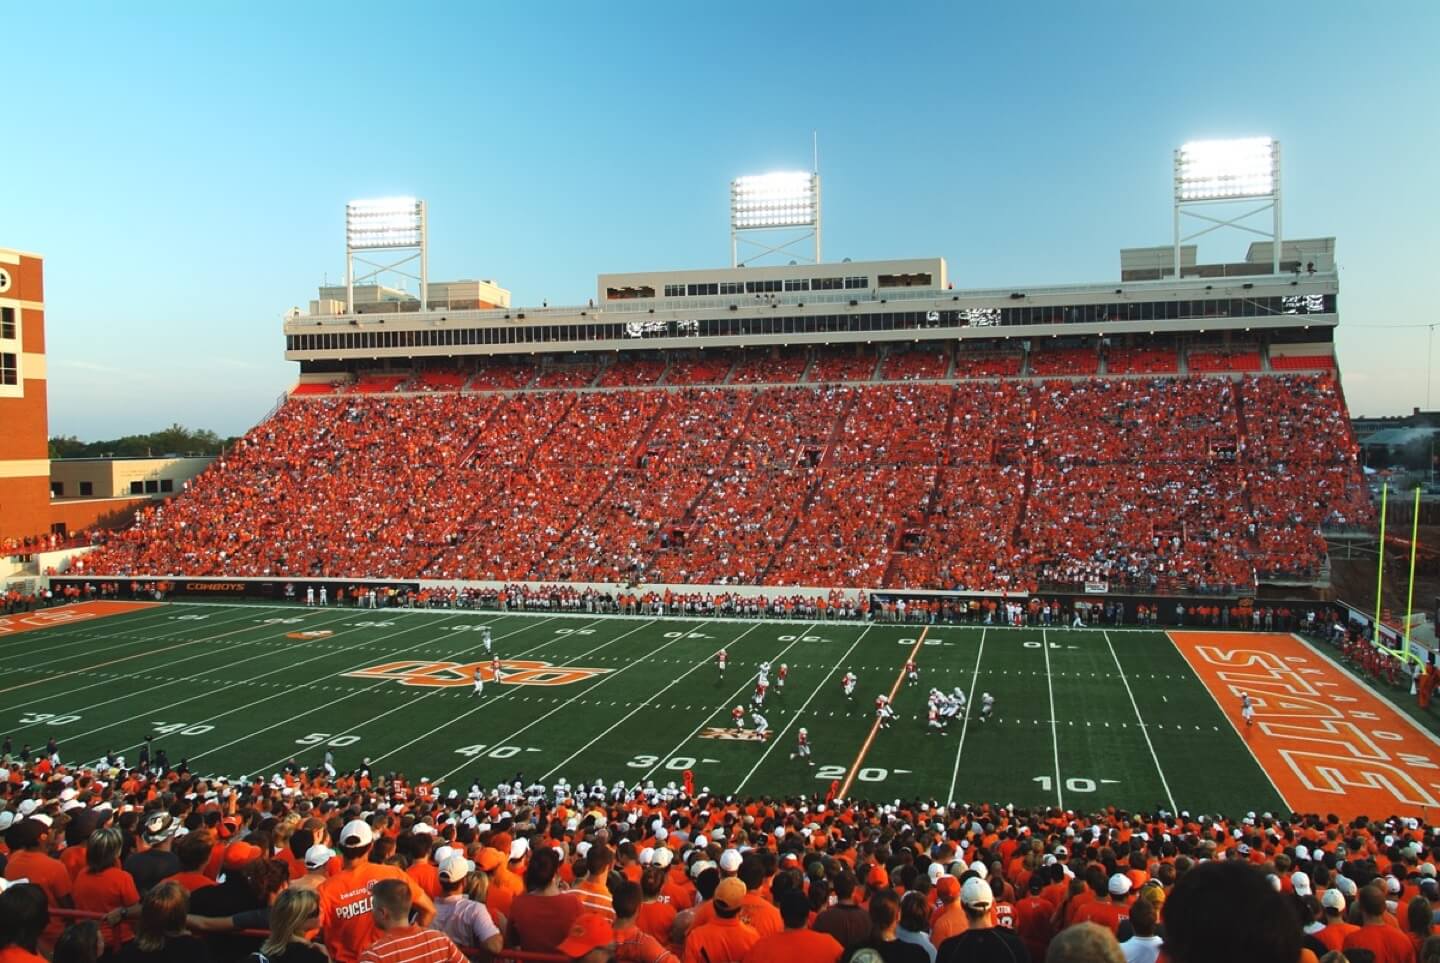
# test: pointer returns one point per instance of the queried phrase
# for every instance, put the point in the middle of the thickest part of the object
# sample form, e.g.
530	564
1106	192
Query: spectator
346	896
725	939
1144	946
80	943
847	921
542	915
465	921
796	943
23	917
295	913
160	936
632	943
1084	943
397	939
1376	934
28	840
982	941
590	940
154	861
914	926
106	888
884	920
1227	911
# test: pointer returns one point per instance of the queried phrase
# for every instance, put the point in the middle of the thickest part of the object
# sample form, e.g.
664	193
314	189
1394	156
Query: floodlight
388	222
1207	170
776	200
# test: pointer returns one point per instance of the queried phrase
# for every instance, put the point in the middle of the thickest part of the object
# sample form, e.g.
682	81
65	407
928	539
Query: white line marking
1054	730
965	724
1141	719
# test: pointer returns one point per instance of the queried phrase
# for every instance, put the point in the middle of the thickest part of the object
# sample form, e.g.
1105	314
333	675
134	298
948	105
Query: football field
1083	718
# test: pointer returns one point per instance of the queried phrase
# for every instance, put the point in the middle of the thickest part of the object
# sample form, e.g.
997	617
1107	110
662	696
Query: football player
883	712
848	684
802	747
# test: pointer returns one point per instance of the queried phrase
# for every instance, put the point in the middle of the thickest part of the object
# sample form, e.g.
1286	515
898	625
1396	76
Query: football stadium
794	608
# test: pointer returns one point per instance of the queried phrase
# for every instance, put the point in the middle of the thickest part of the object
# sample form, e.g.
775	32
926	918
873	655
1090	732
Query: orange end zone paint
67	614
1328	743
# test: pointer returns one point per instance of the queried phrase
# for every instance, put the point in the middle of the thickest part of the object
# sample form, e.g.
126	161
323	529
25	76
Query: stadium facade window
87	489
732	287
797	284
57	489
9	369
701	290
152	487
137	488
7	323
674	290
852	283
167	484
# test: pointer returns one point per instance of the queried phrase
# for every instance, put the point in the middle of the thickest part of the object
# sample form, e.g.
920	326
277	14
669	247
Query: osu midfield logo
443	674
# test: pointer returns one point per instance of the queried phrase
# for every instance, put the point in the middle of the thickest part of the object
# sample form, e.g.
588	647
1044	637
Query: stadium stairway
932	498
468	455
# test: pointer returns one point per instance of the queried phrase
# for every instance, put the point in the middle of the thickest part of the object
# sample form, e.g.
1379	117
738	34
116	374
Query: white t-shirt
1141	949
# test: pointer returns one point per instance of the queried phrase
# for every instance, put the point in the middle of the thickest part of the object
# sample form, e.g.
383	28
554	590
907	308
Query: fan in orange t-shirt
345	915
795	943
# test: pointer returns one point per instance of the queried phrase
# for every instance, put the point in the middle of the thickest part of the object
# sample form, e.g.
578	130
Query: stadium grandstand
521	547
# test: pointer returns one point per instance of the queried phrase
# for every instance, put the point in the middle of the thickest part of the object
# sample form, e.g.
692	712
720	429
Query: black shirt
890	951
995	944
177	949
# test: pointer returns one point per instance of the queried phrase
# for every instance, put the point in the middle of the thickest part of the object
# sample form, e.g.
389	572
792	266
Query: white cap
582	848
422	829
935	871
1346	885
519	848
357	832
28	806
7	819
663	857
43	818
730	861
978	868
455	869
445	852
976	894
1333	900
662	834
317	857
1392	885
1274	881
1300	883
1119	884
647	856
701	842
1302	852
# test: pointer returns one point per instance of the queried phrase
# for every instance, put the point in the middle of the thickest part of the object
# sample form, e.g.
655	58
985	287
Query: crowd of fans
309	865
1147	483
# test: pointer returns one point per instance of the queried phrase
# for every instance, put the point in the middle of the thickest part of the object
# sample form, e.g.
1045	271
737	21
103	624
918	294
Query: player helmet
804	731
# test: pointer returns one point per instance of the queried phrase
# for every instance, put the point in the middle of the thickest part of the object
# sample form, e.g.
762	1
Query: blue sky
185	172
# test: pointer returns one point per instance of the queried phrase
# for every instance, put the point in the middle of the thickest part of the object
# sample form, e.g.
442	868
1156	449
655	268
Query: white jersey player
883	712
762	725
934	715
479	682
737	715
987	706
485	637
1247	709
802	747
847	682
764	677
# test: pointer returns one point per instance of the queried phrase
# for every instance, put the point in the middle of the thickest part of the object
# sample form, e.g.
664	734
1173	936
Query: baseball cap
519	848
730	861
935	872
240	854
318	857
976	894
590	931
1333	900
877	877
158	827
7	819
1347	886
457	868
357	833
1119	884
663	858
978	868
28	806
1300	883
730	893
948	887
489	859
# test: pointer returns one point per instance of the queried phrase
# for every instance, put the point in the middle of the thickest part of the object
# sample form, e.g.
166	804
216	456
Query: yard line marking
965	723
101	665
348	696
1144	730
108	677
800	712
875	726
613	726
489	702
292	690
1054	731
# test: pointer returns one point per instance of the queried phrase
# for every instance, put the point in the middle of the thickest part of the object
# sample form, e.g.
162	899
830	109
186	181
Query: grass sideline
242	689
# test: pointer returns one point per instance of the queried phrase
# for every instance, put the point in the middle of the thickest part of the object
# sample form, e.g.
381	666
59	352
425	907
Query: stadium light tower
1227	171
767	203
385	224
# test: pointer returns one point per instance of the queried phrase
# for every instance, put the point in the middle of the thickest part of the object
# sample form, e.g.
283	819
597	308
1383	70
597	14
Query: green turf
249	698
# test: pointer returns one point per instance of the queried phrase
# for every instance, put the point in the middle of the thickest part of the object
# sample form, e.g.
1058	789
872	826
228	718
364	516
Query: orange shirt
950	921
656	918
49	874
1387	943
719	940
345	908
426	874
191	881
1333	935
757	912
73	859
795	946
103	891
15	954
595	897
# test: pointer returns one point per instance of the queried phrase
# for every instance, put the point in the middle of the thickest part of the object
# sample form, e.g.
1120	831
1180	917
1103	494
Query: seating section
914	365
1302	362
843	365
987	364
374	384
439	381
1064	361
631	373
1013	484
762	368
1203	361
312	388
708	368
567	376
1142	360
502	374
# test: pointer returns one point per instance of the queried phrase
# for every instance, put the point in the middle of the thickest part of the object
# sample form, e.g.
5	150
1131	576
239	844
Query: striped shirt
412	945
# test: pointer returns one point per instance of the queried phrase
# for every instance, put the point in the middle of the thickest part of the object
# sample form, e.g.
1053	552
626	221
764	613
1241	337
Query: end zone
68	614
1327	742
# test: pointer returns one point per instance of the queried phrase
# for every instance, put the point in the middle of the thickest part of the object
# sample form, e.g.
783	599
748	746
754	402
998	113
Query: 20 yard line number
868	774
